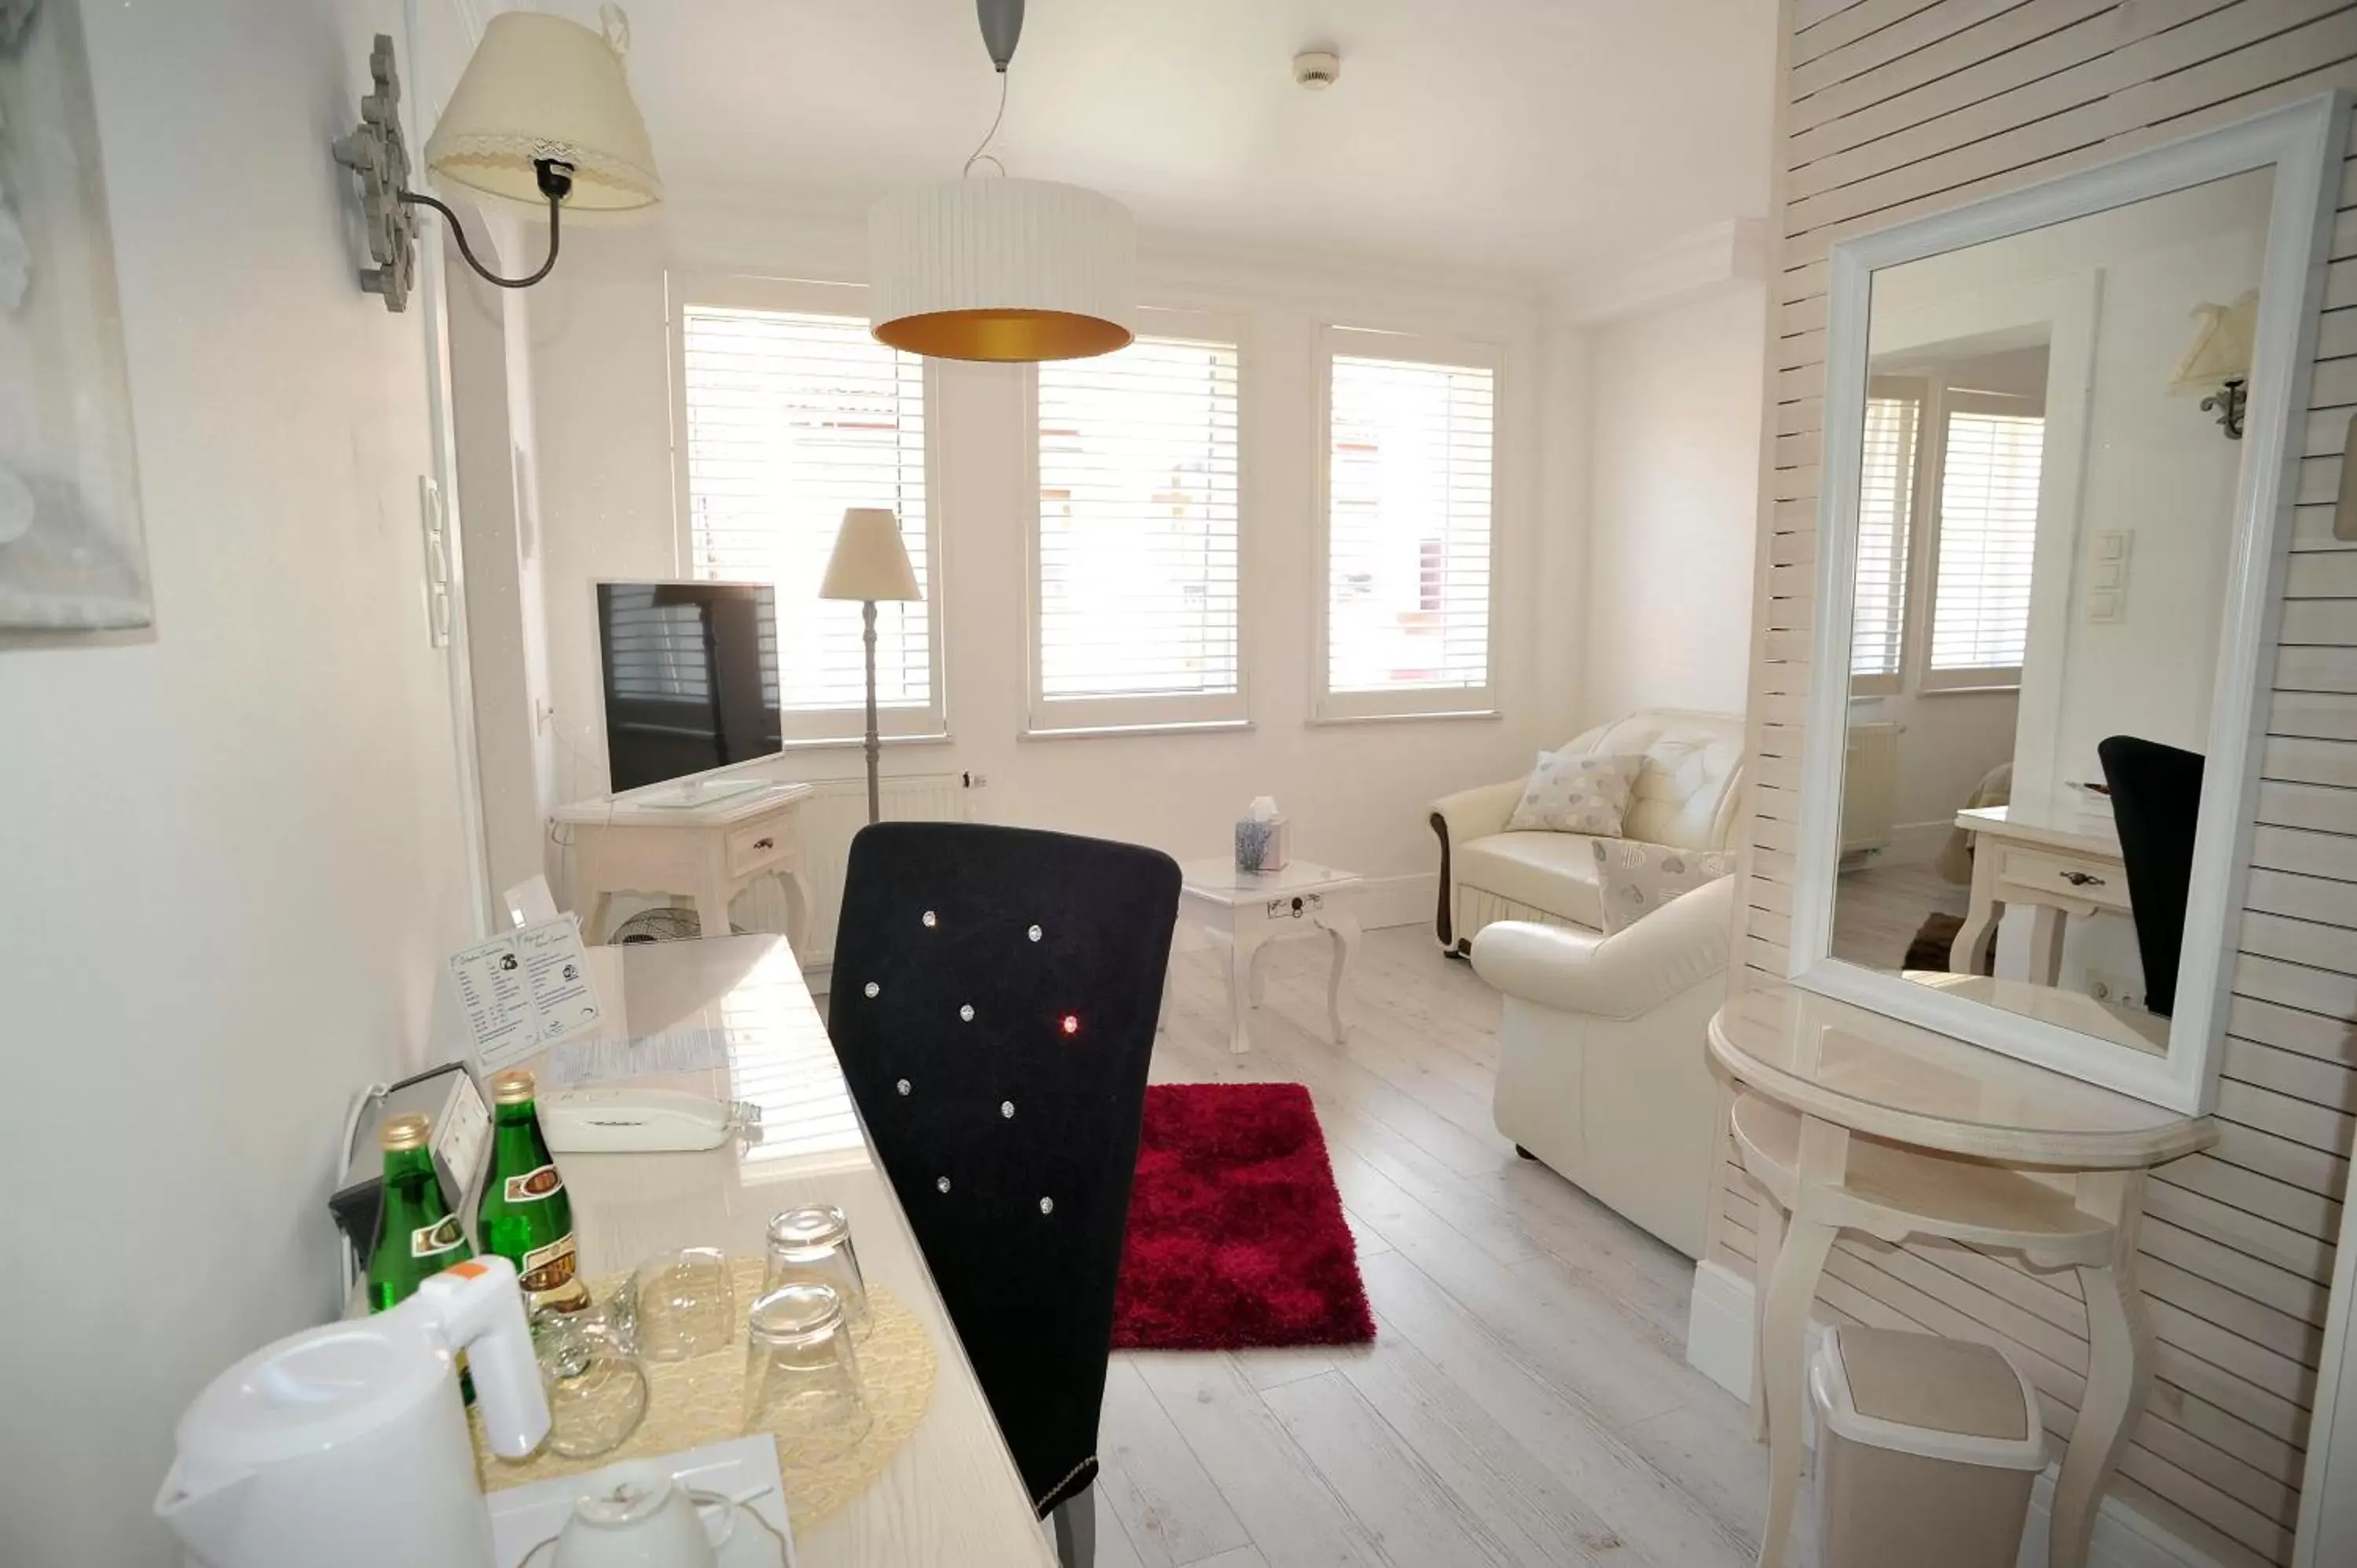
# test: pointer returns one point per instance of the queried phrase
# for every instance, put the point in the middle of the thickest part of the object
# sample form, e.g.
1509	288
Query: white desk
1853	1121
1242	911
644	841
952	1497
2060	867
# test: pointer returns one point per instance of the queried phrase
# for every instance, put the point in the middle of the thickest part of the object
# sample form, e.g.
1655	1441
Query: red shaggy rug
1236	1237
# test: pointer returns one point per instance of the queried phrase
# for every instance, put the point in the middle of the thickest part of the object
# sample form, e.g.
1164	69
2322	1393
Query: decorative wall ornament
72	553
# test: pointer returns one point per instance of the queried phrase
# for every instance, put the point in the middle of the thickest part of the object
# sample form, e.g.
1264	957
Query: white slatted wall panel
1893	108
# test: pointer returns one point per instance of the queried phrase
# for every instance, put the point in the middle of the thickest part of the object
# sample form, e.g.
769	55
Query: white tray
524	1518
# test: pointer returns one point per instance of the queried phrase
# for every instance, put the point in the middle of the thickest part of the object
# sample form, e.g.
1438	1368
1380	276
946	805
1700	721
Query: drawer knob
2082	879
765	843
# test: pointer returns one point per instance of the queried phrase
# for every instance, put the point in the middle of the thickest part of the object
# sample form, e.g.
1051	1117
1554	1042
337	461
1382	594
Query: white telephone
637	1121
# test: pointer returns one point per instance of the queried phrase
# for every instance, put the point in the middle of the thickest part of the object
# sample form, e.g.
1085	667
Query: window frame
822	727
1930	679
1047	718
1328	707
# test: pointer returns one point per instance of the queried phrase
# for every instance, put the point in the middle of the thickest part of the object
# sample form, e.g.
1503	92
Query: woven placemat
690	1403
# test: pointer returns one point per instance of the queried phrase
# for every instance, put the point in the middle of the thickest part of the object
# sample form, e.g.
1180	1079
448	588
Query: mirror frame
2304	144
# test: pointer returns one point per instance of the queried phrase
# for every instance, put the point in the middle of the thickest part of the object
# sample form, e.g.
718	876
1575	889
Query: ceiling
1532	136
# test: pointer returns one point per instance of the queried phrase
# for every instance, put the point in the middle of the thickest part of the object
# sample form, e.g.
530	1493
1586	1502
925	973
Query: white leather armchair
1603	1072
1685	796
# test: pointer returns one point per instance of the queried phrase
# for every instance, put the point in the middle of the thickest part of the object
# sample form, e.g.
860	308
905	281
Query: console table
708	843
2061	869
1848	1120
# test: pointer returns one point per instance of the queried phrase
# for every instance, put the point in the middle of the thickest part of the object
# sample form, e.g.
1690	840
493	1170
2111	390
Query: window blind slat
791	418
1138	522
1409	470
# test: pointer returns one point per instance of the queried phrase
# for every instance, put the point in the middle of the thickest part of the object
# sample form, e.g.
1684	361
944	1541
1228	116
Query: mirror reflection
2047	506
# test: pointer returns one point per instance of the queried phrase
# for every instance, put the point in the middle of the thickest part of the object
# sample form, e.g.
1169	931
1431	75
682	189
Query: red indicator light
1072	1023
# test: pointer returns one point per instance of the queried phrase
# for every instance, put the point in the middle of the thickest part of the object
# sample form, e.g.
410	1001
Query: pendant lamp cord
982	154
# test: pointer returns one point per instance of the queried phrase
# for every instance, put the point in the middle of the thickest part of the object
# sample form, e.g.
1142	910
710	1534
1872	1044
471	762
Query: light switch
2104	604
2109	574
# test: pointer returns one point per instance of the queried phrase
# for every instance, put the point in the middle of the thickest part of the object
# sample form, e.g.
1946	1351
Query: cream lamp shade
2220	350
869	561
1001	269
540	87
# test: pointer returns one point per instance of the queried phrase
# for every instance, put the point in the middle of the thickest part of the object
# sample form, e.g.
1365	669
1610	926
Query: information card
524	991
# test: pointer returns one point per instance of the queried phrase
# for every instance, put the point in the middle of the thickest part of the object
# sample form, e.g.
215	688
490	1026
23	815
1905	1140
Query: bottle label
433	1240
533	1186
548	1271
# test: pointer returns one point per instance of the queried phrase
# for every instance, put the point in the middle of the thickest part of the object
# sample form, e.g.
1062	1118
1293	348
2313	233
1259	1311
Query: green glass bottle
524	1215
418	1236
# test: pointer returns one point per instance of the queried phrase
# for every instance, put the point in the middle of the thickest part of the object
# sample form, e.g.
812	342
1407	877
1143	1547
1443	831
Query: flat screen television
691	677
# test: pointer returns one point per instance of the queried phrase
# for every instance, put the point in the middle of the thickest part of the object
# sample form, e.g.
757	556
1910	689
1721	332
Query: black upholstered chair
2157	805
993	1000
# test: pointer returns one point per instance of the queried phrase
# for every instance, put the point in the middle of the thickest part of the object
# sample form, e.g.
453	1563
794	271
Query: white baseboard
1916	844
1719	1345
1407	900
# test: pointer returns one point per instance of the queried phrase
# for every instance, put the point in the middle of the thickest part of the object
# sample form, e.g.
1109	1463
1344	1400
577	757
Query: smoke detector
1316	69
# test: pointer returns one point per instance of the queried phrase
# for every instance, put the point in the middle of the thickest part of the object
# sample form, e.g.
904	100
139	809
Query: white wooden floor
1527	1402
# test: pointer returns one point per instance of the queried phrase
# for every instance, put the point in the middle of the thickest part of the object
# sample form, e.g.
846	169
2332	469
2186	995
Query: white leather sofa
1603	1072
1685	795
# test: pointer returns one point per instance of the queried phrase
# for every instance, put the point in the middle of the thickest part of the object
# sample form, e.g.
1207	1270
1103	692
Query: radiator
1869	787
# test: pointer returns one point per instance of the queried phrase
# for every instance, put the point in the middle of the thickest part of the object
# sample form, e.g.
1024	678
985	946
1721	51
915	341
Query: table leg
2119	1370
1980	916
1342	933
593	930
712	905
798	908
2046	927
1784	1350
1162	1013
1766	1241
1236	951
1260	974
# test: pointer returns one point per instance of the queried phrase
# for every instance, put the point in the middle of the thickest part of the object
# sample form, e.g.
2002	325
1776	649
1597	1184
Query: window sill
1182	726
857	743
1446	715
1969	691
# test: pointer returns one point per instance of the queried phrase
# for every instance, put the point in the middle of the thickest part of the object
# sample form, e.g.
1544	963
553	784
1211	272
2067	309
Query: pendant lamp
1001	269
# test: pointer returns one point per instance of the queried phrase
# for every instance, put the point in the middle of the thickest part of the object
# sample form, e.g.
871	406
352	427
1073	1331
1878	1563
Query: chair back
993	1004
2157	806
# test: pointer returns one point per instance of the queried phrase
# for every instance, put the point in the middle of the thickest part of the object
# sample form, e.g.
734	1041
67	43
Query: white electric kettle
348	1444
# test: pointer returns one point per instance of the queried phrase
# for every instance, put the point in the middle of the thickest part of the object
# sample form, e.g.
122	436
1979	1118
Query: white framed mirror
2059	460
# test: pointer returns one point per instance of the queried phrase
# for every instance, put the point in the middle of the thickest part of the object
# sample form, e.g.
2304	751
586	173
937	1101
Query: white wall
1674	399
233	847
1356	794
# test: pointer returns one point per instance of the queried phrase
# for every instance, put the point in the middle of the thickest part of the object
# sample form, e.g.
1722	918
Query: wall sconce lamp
542	114
2218	362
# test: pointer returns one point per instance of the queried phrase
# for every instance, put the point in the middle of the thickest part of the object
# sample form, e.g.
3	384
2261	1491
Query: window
789	416
1135	586
1886	501
1990	458
1409	495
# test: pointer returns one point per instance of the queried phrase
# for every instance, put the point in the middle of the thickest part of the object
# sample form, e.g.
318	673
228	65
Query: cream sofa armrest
1479	812
1624	976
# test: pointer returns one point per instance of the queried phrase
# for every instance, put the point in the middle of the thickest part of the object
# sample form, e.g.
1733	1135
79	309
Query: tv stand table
707	843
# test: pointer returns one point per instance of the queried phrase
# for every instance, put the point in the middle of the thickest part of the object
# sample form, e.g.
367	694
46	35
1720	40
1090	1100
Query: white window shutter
1136	541
1885	513
1988	542
1409	501
791	418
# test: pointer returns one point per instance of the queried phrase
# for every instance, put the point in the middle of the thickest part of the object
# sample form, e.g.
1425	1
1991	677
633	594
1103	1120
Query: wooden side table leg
2119	1370
1235	953
593	929
1260	974
1342	933
1980	916
1766	1241
1784	1327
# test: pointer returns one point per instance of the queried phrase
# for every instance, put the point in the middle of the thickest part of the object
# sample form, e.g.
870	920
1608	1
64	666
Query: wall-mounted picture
71	555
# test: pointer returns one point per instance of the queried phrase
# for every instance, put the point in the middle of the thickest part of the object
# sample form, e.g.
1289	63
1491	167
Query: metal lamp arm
555	183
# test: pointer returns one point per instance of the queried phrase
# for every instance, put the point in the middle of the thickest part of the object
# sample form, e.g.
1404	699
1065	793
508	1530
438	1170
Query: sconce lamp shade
1001	269
2220	350
542	87
869	561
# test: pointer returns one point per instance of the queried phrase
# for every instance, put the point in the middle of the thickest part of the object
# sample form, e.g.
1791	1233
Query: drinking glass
597	1390
801	1376
680	1304
813	1246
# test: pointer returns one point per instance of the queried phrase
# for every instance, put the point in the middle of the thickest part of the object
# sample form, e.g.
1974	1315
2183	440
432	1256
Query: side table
1241	912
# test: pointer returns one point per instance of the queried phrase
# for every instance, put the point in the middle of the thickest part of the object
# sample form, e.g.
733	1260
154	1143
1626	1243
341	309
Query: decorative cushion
1637	878
1576	793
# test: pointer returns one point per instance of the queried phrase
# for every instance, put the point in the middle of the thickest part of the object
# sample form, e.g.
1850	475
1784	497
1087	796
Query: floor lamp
870	564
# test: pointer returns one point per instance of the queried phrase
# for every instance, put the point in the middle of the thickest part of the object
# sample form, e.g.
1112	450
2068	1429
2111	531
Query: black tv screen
691	676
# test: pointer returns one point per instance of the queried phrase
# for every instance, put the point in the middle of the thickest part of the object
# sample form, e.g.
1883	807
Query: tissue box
1263	845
